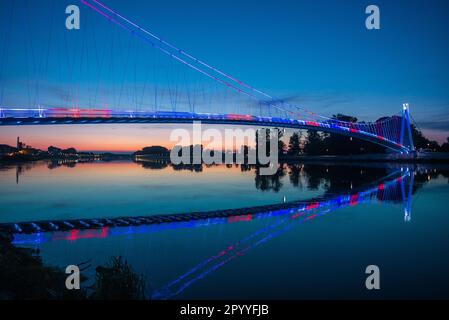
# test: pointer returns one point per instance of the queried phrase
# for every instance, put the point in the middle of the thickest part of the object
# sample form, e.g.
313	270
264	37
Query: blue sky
317	52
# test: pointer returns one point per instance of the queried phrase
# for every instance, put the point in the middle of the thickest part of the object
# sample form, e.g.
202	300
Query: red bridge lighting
247	217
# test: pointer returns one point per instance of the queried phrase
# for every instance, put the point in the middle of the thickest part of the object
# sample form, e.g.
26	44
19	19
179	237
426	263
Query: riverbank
436	157
81	158
23	276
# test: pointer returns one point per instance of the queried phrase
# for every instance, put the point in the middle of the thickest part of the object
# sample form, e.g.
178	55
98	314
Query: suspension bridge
393	133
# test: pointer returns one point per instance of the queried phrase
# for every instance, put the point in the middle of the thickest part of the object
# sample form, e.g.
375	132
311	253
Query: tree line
312	142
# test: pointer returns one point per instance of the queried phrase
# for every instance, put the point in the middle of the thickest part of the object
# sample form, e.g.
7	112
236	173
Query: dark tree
54	150
421	142
294	145
314	145
269	139
445	146
69	151
345	118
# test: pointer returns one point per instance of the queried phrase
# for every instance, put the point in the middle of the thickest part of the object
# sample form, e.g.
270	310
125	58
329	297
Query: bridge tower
406	138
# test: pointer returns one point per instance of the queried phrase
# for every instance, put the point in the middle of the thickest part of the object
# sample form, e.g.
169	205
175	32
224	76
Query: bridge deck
32	117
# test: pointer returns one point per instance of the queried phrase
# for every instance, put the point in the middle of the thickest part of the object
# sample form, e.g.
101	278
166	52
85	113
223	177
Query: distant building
19	144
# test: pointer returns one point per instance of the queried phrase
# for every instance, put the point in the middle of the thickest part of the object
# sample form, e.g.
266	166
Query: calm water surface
108	189
353	216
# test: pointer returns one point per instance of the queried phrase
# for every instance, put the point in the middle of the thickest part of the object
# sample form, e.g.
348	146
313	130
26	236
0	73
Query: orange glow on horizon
100	138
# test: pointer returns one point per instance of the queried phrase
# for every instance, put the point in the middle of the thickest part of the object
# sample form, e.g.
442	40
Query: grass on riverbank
23	276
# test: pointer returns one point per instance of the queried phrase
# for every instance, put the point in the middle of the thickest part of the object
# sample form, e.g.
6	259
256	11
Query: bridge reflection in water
397	187
392	188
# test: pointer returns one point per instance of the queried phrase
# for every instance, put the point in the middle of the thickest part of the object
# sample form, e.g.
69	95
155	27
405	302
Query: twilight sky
318	53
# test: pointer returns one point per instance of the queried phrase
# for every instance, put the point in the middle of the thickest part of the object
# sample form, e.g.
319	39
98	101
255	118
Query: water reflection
390	188
313	176
343	186
385	191
304	175
341	190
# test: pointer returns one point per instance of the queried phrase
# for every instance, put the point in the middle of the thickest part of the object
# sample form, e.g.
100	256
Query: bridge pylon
406	138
